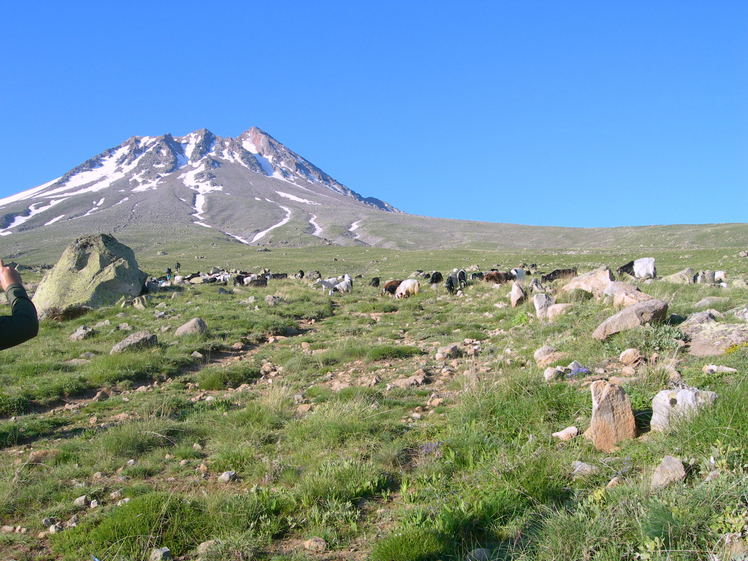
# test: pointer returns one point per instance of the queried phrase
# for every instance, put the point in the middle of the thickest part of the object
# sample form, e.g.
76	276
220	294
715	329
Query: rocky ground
592	419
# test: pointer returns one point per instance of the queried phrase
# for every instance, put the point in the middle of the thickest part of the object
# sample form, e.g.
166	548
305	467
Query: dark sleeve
23	324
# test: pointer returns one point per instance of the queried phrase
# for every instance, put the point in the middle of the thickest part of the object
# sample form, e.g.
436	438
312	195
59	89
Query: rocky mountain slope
244	187
201	190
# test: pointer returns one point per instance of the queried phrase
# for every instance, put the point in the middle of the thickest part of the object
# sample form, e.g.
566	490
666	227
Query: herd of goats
402	288
456	280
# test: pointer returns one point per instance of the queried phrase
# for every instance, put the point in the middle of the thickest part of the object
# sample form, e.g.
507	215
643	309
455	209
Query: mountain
245	187
201	190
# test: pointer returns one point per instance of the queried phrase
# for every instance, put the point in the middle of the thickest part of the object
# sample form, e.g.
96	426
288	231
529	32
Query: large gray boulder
93	271
649	311
709	337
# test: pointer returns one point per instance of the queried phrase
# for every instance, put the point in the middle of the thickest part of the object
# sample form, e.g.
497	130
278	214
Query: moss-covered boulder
93	271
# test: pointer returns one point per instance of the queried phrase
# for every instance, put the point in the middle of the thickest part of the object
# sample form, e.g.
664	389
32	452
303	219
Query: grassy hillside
341	423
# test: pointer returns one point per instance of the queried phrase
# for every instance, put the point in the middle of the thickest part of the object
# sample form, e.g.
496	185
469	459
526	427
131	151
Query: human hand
8	276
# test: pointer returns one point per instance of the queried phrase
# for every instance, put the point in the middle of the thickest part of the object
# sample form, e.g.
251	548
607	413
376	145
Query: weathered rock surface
567	434
686	276
542	302
581	469
709	337
711	301
669	471
546	355
670	406
196	326
624	294
139	340
557	310
94	271
612	417
595	282
630	357
517	295
83	332
650	311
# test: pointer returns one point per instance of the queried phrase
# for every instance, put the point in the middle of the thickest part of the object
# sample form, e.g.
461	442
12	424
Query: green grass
325	444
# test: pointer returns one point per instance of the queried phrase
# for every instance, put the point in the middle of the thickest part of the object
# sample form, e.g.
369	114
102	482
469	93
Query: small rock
83	332
196	354
542	302
711	302
101	396
161	554
56	528
557	310
7	529
227	477
81	501
716	369
139	340
649	311
630	357
204	547
615	482
449	351
317	545
547	355
669	471
581	469
554	373
94	504
567	434
196	326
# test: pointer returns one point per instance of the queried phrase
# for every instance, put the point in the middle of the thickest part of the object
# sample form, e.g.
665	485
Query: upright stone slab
542	302
612	416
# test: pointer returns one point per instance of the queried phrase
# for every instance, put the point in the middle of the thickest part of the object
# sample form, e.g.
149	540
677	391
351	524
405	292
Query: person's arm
23	324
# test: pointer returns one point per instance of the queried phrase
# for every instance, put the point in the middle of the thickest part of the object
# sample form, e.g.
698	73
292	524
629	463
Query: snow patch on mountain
265	164
96	206
317	228
297	199
33	210
202	188
55	219
355	227
262	234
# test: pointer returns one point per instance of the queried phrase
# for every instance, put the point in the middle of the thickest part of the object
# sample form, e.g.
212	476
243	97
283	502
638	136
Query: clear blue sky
578	113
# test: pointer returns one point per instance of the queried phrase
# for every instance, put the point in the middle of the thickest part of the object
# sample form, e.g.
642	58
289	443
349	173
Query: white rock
669	406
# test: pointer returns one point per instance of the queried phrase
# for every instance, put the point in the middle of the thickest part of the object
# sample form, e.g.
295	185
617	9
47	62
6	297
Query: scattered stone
197	354
81	501
205	547
94	504
42	456
740	313
615	482
546	355
669	471
557	310
7	529
418	379
554	373
542	302
160	554
304	408
669	406
517	295
83	332
317	545
196	326
227	477
101	395
271	300
581	469
594	282
56	528
630	357
567	434
711	301
686	276
612	416
449	351
624	294
642	313
140	303
139	340
716	369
